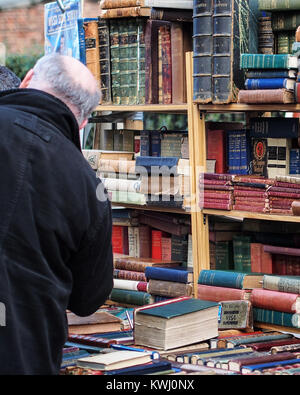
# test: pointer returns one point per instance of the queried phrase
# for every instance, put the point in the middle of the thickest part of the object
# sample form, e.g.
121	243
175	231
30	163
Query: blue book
145	143
155	137
157	165
230	279
279	73
270	83
81	37
167	274
244	152
294	165
267	365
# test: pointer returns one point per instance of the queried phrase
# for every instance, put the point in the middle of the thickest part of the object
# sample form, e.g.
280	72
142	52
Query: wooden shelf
174	108
240	107
152	208
252	215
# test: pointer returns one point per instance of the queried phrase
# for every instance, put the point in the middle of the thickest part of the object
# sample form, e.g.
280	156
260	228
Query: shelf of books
213	244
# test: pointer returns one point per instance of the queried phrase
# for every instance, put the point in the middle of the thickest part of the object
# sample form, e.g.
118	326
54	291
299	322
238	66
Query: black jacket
55	235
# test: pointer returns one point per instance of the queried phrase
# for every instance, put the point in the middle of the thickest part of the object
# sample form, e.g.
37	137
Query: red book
274	300
266	262
217	195
282	189
266	346
216	149
241	192
120	239
279	264
218	294
156	244
244	207
255	253
129	275
220	206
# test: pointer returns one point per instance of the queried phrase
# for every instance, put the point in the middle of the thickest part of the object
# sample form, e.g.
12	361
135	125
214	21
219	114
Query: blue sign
61	28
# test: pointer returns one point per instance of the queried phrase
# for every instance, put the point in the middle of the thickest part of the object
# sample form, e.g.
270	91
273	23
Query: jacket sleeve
92	267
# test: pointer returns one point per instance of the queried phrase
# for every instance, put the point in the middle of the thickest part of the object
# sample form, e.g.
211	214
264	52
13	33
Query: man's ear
27	79
83	124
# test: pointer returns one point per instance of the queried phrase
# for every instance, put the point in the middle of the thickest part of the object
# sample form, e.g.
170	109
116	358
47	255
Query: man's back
50	221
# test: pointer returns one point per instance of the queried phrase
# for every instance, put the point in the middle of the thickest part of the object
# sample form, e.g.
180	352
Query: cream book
115	360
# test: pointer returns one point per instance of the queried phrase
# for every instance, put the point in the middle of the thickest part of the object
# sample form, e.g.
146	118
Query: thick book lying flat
98	322
176	322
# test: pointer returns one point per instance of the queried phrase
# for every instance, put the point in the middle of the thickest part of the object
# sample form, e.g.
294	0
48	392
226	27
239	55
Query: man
55	235
8	79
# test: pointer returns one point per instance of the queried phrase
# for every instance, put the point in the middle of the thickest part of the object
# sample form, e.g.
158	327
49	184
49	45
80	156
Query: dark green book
242	253
131	297
223	255
123	60
104	54
276	317
176	322
115	60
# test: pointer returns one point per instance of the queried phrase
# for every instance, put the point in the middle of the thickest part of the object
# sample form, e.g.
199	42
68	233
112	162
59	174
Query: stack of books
282	194
250	193
215	191
273	78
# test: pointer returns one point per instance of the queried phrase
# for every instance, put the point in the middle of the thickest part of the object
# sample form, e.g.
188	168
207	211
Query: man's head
8	79
69	80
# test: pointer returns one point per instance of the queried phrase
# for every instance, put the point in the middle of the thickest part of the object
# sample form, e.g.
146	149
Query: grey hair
51	75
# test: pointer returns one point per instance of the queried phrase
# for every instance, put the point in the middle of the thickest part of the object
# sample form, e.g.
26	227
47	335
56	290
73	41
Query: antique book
265	61
180	275
201	358
237	364
218	37
146	3
249	339
280	318
285	20
129	275
171	289
275	300
117	166
270	83
268	345
259	96
246	369
278	5
151	59
101	321
231	279
216	148
139	264
120	239
274	127
235	314
93	156
176	322
104	56
181	43
276	73
92	55
115	360
130	297
131	285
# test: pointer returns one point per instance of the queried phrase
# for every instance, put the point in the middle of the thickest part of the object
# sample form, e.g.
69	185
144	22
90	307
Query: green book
123	60
115	60
278	5
223	255
175	322
285	20
242	253
138	298
276	317
262	61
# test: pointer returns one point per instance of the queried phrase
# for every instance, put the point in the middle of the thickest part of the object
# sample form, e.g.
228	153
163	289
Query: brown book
237	365
105	4
139	264
169	288
101	321
151	58
124	12
145	241
166	60
92	47
264	96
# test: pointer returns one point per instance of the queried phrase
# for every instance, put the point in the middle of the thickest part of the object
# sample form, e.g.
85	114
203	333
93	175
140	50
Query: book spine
265	96
202	50
218	196
218	294
123	12
276	317
107	4
220	206
129	275
92	47
279	5
81	37
273	300
264	61
169	288
131	297
221	278
123	60
166	274
156	244
178	63
265	83
260	74
115	61
104	55
285	20
165	32
130	265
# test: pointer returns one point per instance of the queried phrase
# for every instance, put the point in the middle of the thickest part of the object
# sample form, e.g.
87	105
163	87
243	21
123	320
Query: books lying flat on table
101	321
115	360
175	322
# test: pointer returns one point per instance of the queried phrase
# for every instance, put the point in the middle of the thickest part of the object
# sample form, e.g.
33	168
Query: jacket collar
45	106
